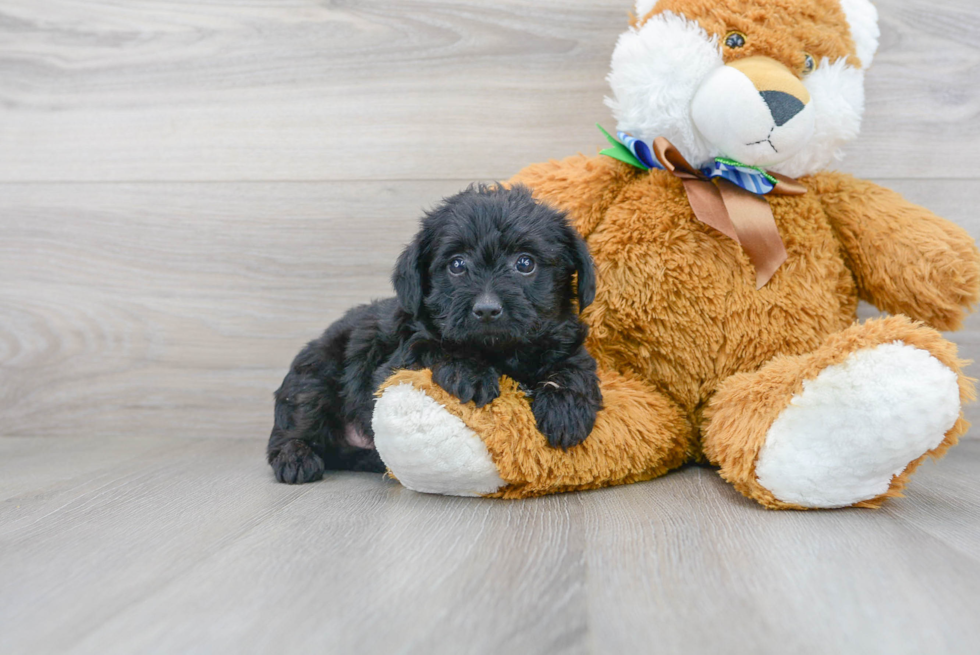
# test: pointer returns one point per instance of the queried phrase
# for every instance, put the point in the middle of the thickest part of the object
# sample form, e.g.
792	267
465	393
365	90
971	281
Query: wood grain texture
189	191
790	582
396	89
184	545
177	307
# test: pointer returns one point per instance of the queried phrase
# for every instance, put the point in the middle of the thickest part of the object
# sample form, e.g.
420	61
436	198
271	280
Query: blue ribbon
749	178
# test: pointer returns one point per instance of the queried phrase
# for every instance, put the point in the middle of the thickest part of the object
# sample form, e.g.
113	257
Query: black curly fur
328	395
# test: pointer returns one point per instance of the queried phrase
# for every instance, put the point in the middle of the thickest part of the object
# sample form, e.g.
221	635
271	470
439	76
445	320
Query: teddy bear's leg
844	425
433	443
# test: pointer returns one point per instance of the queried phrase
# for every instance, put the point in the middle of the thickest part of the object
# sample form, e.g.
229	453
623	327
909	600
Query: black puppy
484	289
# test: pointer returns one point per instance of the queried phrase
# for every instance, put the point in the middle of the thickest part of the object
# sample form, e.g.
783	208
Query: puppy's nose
487	308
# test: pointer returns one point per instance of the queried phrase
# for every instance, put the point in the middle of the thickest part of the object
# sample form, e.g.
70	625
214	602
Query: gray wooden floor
175	545
191	190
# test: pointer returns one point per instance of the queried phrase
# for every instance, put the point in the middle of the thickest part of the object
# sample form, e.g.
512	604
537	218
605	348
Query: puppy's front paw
566	418
296	463
468	381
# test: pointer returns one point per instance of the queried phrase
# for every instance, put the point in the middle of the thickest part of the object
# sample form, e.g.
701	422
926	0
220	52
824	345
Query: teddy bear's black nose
782	106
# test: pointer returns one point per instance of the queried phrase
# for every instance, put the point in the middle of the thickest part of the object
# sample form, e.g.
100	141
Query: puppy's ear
582	260
410	276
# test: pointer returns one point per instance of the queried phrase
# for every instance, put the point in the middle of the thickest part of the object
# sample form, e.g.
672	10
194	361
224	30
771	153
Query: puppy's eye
808	64
457	266
524	264
734	40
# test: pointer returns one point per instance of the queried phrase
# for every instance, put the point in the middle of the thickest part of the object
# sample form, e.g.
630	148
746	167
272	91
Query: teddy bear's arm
582	186
905	259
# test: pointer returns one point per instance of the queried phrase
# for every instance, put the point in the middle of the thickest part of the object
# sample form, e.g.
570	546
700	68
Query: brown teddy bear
725	317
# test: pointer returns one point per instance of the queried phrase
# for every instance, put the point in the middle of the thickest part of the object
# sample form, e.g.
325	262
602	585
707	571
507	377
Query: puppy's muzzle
487	308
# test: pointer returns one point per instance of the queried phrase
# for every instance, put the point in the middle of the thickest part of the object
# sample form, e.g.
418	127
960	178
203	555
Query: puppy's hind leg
297	460
308	421
302	428
359	455
294	461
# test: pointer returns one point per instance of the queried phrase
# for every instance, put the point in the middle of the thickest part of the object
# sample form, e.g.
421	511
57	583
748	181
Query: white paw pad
857	425
428	449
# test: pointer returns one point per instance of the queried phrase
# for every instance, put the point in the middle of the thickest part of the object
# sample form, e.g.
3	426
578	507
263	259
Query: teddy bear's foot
844	425
429	449
433	443
857	426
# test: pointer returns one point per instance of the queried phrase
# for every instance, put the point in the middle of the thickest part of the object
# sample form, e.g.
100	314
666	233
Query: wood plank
136	314
207	541
943	500
396	89
73	558
178	307
686	565
198	550
32	468
422	575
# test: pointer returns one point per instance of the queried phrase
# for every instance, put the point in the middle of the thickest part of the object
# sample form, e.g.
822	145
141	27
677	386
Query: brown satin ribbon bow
740	215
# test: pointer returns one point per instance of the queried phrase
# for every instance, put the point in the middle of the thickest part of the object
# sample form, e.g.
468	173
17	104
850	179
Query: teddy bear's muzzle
754	110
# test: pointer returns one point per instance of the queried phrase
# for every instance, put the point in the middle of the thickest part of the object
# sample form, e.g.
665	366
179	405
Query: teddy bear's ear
643	7
863	20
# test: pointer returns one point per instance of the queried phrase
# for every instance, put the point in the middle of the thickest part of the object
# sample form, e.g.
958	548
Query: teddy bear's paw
429	449
857	426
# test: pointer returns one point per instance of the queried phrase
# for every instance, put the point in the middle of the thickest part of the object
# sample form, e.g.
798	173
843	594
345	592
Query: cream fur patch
656	70
857	425
643	7
837	92
730	113
428	449
863	20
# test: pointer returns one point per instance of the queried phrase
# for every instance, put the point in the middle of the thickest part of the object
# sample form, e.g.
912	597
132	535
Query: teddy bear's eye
734	39
808	64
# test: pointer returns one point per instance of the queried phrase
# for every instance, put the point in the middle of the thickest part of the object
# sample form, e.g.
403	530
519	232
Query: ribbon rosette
726	195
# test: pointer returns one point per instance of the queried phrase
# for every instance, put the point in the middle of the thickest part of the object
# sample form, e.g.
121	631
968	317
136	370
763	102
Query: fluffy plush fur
625	446
695	363
826	449
746	408
436	455
486	288
670	60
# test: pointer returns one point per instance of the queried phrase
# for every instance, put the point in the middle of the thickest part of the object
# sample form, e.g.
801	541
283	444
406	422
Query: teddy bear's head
771	83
